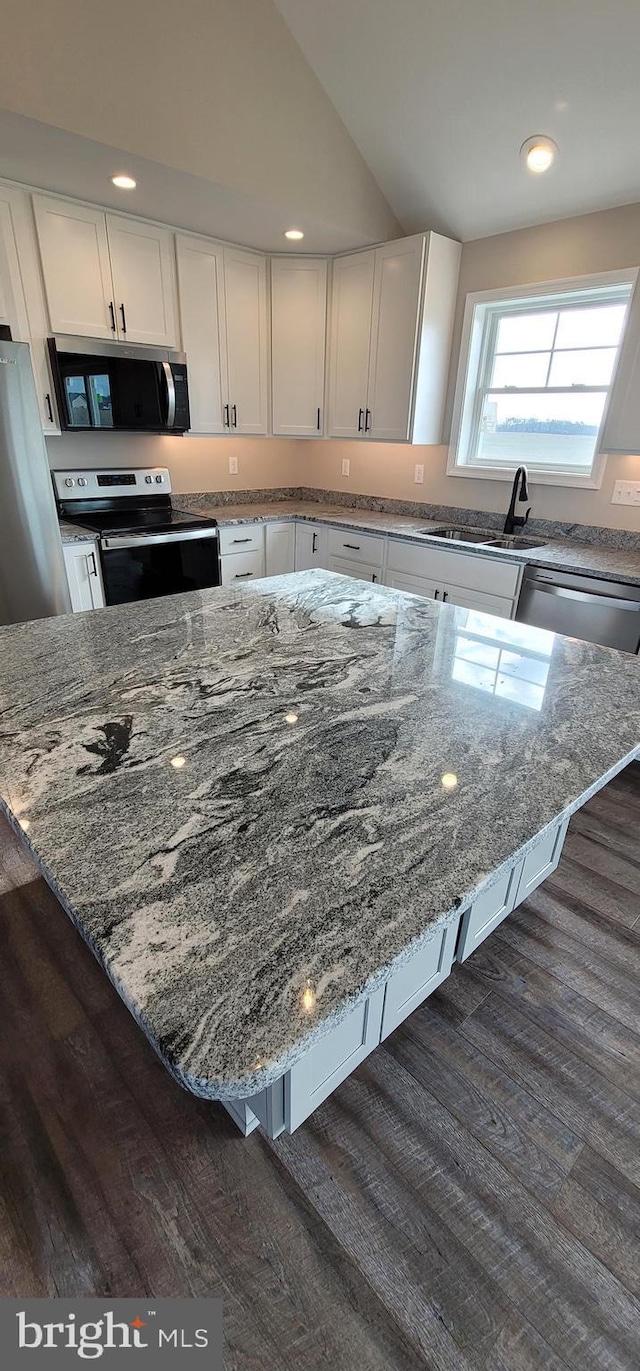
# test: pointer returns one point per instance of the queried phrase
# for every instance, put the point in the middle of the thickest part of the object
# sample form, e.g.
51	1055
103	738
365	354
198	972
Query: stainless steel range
148	547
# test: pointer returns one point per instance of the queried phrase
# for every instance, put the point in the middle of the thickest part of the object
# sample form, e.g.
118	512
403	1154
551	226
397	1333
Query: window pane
597	327
526	332
551	430
100	399
521	369
77	406
585	367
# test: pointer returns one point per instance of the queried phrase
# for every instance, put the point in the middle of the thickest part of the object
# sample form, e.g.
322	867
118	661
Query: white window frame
472	355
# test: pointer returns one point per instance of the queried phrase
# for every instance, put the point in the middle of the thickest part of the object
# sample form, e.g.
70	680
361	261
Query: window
536	369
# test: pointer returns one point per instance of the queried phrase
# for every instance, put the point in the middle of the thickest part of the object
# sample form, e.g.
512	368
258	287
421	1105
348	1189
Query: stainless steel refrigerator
33	583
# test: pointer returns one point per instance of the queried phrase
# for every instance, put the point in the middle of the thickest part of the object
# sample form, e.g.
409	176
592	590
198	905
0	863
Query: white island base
287	1102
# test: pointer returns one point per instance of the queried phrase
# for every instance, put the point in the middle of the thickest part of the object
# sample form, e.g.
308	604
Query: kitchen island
276	814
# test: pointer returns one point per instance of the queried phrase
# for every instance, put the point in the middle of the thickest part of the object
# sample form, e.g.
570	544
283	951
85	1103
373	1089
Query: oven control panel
91	485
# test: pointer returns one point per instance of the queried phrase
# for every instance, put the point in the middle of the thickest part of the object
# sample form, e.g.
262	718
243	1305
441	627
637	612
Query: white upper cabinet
352	302
223	309
76	266
245	290
621	431
394	332
201	290
392	321
106	276
143	281
22	306
298	329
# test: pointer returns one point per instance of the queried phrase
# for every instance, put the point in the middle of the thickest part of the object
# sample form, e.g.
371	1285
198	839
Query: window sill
536	476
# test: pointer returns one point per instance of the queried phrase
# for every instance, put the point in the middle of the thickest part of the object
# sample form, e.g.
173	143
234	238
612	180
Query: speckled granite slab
238	797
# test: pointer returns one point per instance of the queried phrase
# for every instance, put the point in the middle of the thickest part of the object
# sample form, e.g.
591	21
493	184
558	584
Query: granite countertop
237	794
74	533
618	564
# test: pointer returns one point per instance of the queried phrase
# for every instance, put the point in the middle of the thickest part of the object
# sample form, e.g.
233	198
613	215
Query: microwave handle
171	394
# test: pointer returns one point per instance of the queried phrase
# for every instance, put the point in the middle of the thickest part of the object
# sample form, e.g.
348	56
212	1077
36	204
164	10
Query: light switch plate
418	474
233	466
626	493
345	466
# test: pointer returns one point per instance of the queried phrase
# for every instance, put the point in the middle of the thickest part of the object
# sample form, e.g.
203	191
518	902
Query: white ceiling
439	95
37	154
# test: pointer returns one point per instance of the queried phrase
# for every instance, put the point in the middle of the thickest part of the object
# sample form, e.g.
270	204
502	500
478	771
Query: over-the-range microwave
112	387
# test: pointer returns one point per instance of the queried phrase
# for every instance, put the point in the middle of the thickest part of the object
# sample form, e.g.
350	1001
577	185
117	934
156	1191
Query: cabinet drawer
542	860
455	568
311	1079
413	585
418	977
355	547
241	566
241	538
487	911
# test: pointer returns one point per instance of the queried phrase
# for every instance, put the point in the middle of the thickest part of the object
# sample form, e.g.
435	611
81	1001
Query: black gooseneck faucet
519	493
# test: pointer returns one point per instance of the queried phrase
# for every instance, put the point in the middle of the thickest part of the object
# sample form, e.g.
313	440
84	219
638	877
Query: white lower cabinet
413	585
418	977
280	548
458	578
541	860
474	599
359	571
513	886
311	547
84	577
241	566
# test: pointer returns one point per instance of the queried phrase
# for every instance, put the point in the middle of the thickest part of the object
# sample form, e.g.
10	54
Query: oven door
142	567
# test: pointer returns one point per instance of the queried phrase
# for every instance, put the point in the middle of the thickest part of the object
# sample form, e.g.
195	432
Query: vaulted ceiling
439	95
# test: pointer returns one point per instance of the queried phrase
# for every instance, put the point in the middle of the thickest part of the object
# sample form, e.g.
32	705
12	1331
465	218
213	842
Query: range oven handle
591	597
171	393
146	539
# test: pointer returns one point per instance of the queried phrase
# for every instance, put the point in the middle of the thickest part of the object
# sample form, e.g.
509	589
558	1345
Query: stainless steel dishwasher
601	611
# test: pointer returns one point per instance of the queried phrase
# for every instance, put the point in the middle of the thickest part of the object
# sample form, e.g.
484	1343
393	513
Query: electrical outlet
626	493
345	466
418	474
233	466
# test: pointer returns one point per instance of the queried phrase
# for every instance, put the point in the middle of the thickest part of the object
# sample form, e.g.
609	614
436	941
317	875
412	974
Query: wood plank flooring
467	1201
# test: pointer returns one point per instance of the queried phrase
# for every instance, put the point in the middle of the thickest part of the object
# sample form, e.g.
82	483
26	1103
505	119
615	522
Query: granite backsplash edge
471	518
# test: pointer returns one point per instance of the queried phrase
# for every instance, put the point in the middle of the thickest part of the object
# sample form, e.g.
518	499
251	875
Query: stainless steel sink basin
512	540
483	537
458	535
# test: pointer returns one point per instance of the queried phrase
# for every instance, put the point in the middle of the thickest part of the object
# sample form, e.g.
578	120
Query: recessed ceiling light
538	153
294	234
124	182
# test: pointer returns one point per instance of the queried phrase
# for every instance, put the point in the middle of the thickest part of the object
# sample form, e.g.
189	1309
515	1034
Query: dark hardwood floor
468	1199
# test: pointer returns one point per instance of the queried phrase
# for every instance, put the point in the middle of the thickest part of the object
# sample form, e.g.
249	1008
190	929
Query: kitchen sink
458	535
484	538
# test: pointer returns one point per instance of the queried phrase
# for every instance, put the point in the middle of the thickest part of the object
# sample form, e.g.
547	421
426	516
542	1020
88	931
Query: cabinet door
13	311
351	303
279	548
415	585
311	549
76	267
394	337
143	281
245	285
621	430
359	571
298	323
476	599
82	565
201	288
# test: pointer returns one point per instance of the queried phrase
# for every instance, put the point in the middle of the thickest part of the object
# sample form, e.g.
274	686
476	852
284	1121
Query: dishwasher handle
543	587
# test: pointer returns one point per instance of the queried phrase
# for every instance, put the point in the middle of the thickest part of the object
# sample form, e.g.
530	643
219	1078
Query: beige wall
195	464
216	88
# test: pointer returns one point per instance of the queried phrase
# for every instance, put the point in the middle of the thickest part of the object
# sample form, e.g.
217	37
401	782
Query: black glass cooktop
111	522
